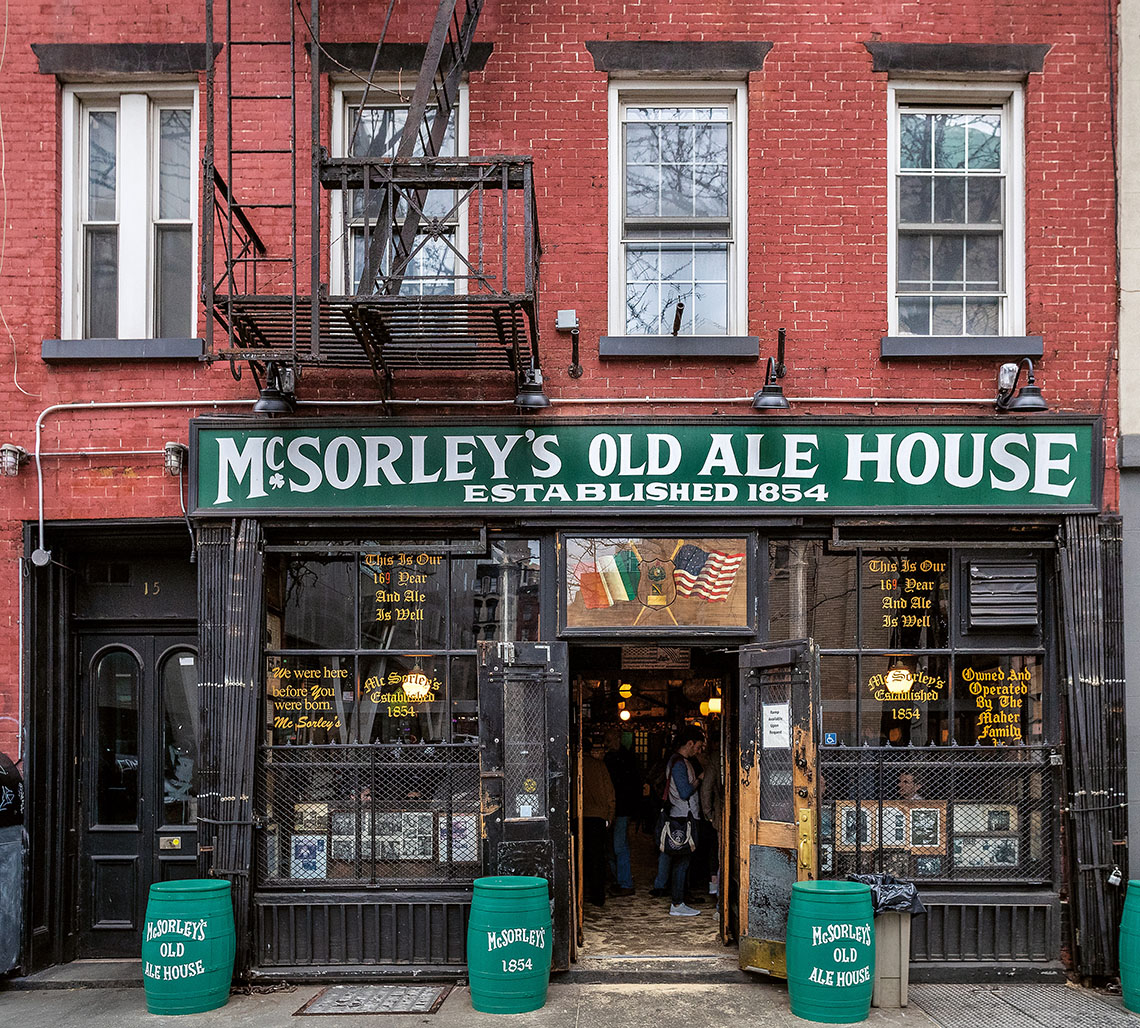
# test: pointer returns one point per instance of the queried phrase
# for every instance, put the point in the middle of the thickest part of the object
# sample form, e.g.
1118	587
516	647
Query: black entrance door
138	783
524	741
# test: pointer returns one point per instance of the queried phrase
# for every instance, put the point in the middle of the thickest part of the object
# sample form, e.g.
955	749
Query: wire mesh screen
938	814
524	747
375	814
774	733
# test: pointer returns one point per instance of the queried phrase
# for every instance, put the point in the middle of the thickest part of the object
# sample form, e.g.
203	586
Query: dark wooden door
524	704
776	794
138	781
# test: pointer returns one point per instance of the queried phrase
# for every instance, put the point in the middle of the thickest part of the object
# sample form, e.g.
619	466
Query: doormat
376	999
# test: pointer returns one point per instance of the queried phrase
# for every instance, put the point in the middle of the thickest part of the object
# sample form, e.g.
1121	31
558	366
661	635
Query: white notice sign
776	719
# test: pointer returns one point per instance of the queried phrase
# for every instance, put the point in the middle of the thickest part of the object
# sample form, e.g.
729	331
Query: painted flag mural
709	574
595	593
621	573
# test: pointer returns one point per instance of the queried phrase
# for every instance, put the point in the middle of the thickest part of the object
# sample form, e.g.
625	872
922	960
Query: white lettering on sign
173	972
840	977
531	936
187	929
685	466
823	936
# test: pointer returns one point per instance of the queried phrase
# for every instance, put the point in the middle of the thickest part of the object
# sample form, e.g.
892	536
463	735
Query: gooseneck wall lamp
531	395
771	396
1028	398
276	395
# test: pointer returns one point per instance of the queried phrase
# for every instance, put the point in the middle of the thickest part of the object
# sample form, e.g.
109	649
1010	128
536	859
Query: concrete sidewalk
688	1005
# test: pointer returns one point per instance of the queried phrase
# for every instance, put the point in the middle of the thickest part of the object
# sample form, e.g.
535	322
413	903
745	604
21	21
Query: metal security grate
1019	1006
776	789
524	747
376	814
376	999
938	813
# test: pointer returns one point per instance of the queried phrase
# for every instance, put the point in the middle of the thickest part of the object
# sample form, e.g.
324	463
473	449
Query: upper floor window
374	130
957	252
677	206
129	212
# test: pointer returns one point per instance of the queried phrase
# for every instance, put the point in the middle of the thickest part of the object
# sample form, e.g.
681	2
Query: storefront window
904	598
905	700
403	600
999	700
496	599
370	772
403	698
318	604
934	756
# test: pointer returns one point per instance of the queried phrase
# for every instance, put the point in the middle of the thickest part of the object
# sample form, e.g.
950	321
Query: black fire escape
472	308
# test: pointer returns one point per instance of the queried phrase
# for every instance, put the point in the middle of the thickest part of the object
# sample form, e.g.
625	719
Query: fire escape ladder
233	171
437	90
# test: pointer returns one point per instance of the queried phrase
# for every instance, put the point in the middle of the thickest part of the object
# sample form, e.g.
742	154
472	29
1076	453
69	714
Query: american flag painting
706	573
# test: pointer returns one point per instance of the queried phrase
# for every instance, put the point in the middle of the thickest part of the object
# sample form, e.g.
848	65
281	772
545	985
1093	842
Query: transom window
678	219
956	209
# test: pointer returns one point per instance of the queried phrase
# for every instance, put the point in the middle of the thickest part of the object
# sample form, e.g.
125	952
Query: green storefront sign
560	465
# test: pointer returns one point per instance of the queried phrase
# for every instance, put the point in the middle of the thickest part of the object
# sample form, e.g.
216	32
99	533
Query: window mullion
134	230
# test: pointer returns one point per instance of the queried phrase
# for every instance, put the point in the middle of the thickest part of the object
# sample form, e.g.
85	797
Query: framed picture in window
308	857
985	852
310	817
893	826
417	835
928	828
463	837
928	866
856	825
826	859
344	847
985	818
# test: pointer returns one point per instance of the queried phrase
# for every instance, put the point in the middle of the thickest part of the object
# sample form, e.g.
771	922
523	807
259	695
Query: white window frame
664	93
1010	98
345	95
136	199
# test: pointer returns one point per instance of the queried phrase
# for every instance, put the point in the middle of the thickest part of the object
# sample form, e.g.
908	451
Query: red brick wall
817	222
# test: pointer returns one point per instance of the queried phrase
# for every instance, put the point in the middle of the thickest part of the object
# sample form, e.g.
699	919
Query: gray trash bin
892	959
893	901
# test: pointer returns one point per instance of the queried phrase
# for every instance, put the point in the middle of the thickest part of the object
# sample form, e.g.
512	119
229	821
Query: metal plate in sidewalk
1019	1006
377	999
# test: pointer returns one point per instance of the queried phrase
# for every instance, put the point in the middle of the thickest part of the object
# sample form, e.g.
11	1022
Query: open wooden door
524	701
776	794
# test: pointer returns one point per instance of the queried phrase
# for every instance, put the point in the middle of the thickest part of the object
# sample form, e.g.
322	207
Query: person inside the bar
625	772
908	786
598	804
682	804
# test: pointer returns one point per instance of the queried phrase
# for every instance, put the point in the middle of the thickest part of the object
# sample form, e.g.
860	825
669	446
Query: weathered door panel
776	793
524	702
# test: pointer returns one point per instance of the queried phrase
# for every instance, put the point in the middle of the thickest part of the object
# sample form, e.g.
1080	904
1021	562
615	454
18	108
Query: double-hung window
129	213
374	130
956	209
677	211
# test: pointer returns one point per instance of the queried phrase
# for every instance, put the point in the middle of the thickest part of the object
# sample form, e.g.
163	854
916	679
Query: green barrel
1130	948
188	946
831	951
508	944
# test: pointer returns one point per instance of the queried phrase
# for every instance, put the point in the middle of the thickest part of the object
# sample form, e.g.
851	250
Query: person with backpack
680	821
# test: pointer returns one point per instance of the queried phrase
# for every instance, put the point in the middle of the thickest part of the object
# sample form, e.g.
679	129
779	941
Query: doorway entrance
138	784
629	705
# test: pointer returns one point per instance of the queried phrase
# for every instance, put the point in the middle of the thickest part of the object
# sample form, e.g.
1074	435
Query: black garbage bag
11	794
889	893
